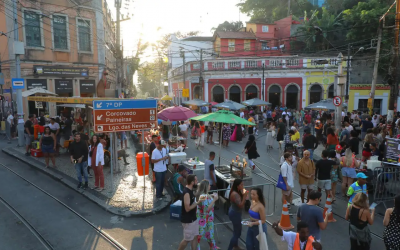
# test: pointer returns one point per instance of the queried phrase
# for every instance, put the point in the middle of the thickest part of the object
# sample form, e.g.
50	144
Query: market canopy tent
38	91
231	105
166	98
196	102
222	116
326	104
176	114
256	102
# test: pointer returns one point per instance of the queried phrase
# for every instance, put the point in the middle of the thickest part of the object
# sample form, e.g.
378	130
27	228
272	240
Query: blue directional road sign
18	83
124	115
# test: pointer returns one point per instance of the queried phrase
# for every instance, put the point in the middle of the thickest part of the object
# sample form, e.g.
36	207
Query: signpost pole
143	162
113	157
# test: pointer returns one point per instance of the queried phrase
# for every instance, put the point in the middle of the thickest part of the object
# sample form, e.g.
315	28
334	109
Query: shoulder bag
281	182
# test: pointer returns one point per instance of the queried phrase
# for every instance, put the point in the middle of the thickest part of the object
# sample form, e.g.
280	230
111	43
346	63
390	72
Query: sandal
94	188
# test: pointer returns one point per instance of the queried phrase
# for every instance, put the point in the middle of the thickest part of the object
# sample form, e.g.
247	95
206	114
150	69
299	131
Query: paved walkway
130	195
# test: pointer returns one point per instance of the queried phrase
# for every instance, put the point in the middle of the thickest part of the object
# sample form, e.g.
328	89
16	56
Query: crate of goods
175	210
36	153
177	158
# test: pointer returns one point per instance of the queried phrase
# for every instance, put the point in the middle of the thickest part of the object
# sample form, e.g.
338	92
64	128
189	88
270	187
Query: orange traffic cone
285	219
328	205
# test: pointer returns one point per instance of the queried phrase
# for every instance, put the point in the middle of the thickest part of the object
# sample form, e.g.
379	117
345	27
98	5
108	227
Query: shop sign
60	71
185	92
87	86
63	86
36	83
77	100
124	115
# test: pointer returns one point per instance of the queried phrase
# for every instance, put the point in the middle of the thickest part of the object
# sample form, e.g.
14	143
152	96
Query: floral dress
226	133
206	223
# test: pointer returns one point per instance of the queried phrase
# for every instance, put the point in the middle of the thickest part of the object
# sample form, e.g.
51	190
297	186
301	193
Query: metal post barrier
386	183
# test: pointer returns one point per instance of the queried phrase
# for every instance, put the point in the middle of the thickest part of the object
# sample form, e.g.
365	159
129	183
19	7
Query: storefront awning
82	106
77	100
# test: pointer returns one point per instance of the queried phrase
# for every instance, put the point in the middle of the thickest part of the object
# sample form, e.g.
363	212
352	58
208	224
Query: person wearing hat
360	186
159	158
178	180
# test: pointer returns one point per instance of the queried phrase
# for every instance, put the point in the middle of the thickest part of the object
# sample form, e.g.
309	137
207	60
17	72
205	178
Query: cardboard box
177	158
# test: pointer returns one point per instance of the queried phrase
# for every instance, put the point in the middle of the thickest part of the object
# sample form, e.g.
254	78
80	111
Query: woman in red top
332	139
96	161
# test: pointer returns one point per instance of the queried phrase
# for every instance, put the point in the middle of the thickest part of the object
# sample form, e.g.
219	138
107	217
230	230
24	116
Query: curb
70	182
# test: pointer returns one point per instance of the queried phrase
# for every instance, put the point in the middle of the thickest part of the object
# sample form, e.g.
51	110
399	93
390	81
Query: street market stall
235	170
229	105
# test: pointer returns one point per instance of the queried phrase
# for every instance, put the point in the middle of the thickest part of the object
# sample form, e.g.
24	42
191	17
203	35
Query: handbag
281	182
247	149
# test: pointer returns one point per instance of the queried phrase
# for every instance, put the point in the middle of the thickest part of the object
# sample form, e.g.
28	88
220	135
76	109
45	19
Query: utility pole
338	92
184	73
395	63
20	126
288	8
263	83
118	4
2	94
348	73
201	75
375	74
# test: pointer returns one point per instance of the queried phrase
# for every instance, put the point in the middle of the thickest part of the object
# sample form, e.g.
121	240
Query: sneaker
86	186
79	185
27	154
90	176
126	163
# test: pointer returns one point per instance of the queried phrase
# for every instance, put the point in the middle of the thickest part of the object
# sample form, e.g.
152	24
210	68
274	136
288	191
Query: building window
333	62
246	45
292	97
234	94
251	64
265	28
60	32
315	93
234	64
32	29
251	92
264	46
231	45
217	65
218	94
84	35
196	65
331	91
274	96
275	63
292	62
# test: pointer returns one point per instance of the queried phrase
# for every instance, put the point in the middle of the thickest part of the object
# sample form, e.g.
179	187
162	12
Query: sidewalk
128	198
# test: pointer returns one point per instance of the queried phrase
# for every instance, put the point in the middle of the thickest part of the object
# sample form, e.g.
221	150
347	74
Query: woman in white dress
269	141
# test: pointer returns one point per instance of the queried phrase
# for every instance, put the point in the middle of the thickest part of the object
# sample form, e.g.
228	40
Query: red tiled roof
235	34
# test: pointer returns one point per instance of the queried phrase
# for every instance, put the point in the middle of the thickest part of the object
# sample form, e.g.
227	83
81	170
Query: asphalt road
334	237
63	229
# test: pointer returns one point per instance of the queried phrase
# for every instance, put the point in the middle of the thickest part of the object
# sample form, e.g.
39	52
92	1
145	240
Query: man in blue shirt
311	214
366	124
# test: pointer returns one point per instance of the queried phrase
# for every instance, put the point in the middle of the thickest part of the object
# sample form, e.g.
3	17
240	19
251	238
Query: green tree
273	10
229	26
317	31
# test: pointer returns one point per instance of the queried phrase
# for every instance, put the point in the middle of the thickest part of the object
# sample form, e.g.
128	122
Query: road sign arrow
98	105
99	117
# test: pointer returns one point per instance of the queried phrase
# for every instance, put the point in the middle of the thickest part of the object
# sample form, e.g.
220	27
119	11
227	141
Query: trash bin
139	157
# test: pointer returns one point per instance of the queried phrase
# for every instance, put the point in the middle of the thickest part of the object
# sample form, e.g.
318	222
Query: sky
154	18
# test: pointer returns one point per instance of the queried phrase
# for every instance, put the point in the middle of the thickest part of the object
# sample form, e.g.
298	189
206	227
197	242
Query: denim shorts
349	172
48	149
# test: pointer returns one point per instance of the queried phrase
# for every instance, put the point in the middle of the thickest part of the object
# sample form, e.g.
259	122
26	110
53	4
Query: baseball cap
338	147
361	175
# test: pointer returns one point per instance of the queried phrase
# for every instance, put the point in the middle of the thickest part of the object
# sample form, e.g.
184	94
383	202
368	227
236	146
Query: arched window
234	94
274	95
251	92
196	92
315	93
218	94
292	97
330	91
